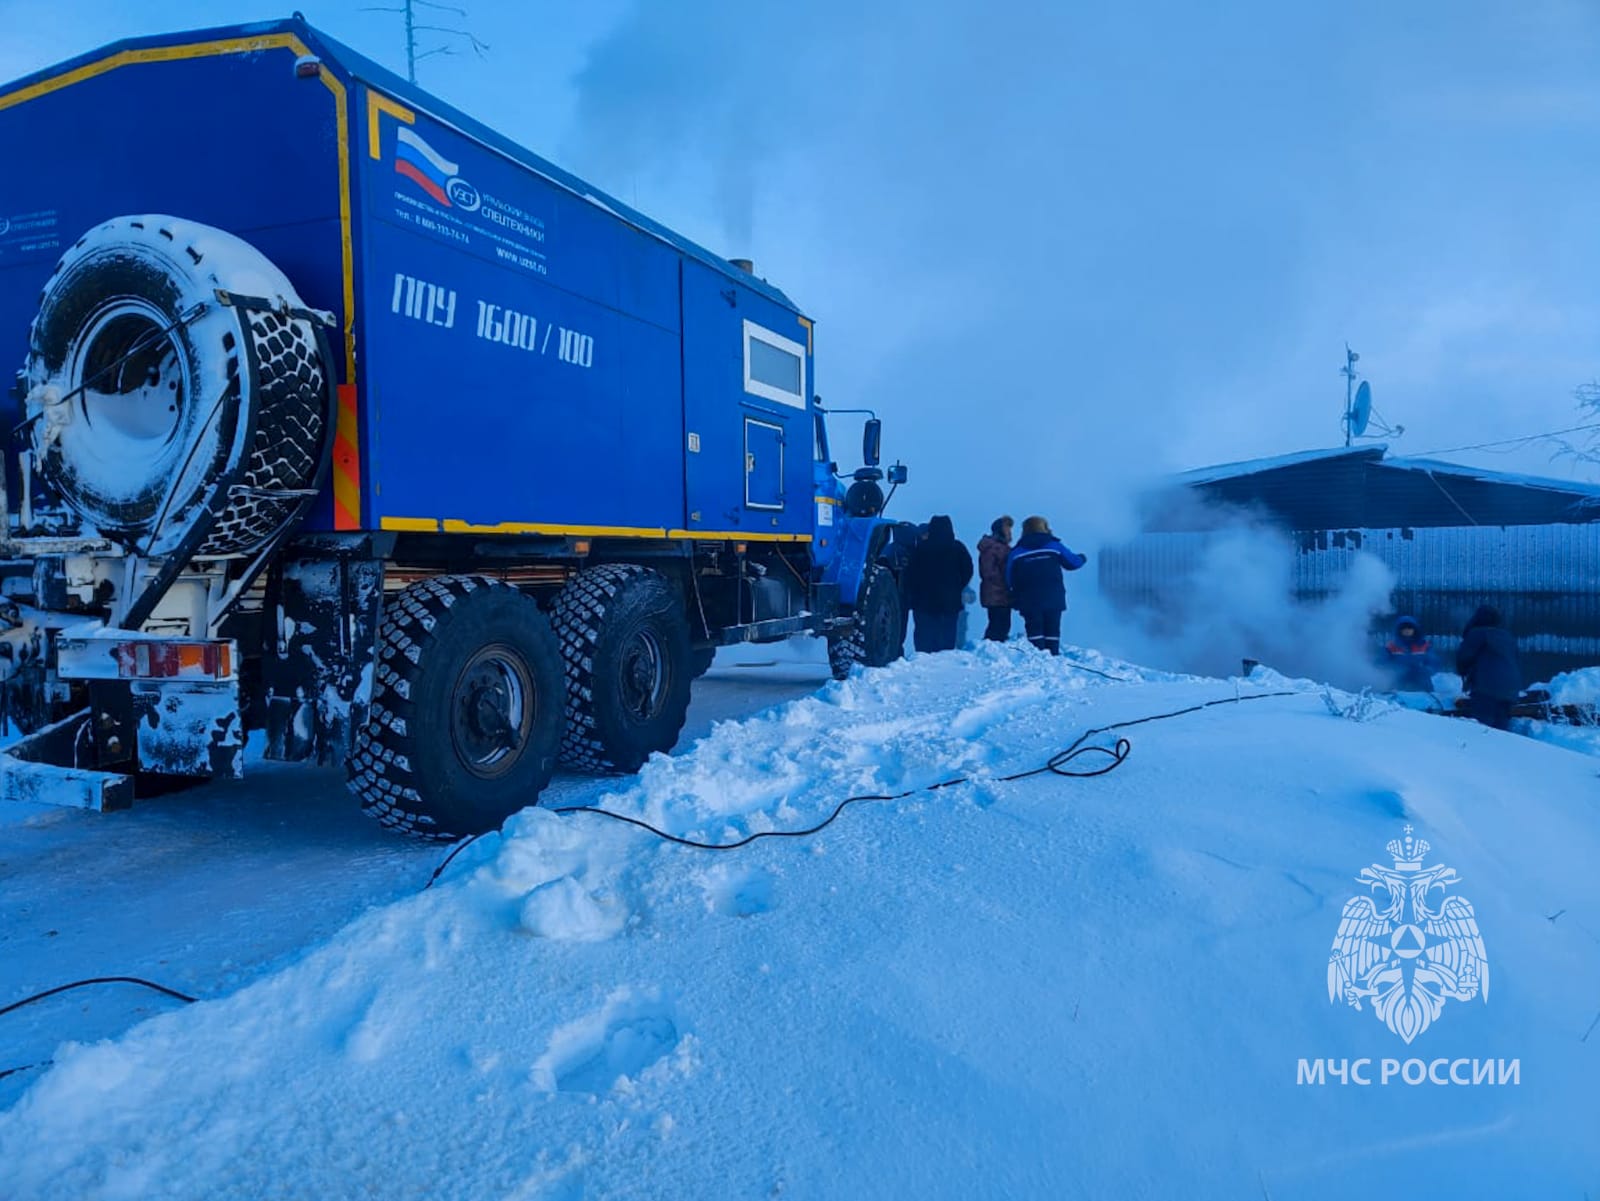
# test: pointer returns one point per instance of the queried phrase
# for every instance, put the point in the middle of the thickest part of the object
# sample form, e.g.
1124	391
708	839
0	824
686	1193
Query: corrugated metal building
1455	537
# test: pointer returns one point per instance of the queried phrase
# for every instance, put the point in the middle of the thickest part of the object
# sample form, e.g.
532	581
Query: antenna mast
1359	415
1351	358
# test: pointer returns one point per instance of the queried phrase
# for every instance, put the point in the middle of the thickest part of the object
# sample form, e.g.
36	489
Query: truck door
763	465
746	411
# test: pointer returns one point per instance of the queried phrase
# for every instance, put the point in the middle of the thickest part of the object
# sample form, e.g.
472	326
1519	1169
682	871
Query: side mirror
872	442
897	474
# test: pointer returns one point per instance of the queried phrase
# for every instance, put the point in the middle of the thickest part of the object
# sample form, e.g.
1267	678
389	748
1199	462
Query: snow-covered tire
625	647
164	417
877	638
466	715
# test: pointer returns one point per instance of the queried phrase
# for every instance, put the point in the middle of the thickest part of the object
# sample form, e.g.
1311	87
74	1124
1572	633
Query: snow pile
1581	688
1030	989
1576	687
549	861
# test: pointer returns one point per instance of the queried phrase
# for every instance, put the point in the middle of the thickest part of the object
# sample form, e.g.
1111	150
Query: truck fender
860	542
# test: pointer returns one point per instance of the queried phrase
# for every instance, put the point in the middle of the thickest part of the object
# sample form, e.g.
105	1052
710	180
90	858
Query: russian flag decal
423	165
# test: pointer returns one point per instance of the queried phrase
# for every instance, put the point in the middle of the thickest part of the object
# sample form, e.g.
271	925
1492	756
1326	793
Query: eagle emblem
1408	945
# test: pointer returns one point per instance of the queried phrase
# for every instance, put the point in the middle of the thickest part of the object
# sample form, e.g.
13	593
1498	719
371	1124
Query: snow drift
1049	988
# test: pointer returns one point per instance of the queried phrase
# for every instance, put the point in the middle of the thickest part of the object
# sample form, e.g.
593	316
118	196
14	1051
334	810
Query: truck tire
466	716
625	647
877	638
165	418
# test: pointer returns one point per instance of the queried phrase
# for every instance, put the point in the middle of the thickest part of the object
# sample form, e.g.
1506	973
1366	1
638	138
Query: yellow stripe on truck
450	525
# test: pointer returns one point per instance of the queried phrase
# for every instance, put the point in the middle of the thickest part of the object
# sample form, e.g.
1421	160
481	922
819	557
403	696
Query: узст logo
463	195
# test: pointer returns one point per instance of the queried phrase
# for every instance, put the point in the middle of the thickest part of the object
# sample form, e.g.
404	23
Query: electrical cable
1450	498
61	988
1094	671
1117	753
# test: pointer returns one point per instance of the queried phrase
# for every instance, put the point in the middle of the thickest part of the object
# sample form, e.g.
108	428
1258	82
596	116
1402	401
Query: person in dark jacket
1033	574
1487	663
903	539
993	550
1409	658
939	569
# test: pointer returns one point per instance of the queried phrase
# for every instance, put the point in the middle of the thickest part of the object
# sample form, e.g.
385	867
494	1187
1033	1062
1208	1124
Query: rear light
146	660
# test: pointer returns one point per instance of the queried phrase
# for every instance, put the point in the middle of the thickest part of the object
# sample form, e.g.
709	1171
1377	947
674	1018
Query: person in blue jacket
1038	592
1409	658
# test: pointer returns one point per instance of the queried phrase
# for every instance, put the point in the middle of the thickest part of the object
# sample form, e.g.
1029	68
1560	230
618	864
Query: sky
1062	248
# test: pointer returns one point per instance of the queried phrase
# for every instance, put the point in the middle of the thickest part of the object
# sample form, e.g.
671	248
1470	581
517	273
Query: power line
1449	450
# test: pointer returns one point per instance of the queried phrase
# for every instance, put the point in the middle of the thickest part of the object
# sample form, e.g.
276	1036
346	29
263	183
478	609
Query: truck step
32	770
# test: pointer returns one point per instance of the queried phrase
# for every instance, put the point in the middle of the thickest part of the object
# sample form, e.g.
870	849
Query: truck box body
343	419
517	352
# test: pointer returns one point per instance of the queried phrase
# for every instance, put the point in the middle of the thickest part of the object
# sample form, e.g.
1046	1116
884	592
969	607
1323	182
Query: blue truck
344	419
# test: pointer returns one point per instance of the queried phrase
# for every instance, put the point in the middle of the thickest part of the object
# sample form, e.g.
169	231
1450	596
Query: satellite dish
1360	411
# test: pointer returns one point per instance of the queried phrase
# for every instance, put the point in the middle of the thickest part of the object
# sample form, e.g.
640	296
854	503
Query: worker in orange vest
1409	659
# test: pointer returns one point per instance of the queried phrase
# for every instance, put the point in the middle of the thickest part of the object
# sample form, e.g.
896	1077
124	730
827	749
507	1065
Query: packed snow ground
1049	988
210	888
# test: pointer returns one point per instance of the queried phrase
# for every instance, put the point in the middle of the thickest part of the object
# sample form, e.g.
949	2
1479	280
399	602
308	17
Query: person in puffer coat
1034	575
1409	659
993	550
939	570
1487	663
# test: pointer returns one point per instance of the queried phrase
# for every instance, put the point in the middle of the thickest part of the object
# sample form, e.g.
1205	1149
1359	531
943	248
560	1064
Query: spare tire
177	388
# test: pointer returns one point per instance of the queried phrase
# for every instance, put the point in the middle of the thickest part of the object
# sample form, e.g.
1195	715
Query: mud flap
188	728
318	679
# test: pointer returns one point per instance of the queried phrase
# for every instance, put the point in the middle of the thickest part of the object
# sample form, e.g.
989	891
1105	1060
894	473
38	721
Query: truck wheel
164	417
465	724
877	638
625	645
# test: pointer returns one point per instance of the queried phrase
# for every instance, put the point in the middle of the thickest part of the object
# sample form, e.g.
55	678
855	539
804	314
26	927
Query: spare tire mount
181	394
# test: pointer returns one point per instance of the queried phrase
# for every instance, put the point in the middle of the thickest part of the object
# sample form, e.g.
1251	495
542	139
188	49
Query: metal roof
1516	479
1359	488
359	67
1224	471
